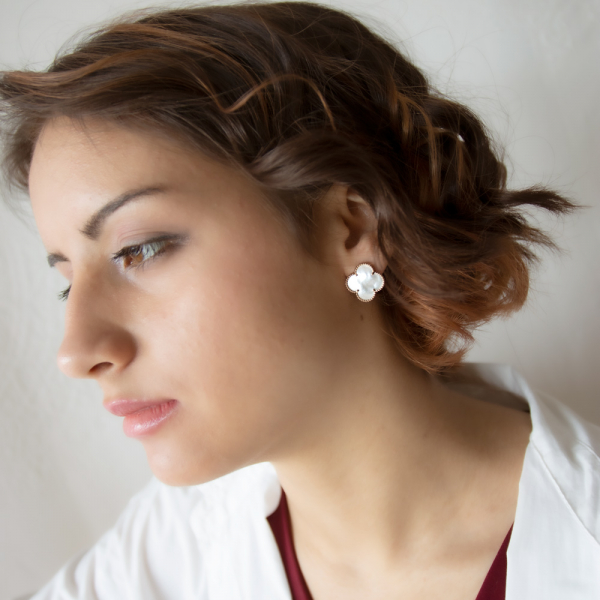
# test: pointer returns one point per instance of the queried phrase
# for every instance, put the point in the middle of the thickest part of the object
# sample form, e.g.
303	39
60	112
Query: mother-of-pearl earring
365	282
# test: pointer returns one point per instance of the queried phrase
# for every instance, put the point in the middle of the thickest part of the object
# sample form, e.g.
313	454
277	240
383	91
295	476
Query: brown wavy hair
302	96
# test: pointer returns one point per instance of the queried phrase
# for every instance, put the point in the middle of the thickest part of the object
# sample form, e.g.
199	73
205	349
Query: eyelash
158	245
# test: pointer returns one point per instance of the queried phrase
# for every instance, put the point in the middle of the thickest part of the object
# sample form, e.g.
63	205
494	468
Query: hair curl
302	96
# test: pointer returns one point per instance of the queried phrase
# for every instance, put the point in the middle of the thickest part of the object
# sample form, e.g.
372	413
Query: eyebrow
94	224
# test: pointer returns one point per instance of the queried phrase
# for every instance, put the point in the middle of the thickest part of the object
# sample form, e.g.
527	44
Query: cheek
244	344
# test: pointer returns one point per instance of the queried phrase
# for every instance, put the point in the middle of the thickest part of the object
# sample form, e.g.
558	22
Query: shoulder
554	551
216	536
183	542
564	450
555	547
562	431
177	538
568	447
562	463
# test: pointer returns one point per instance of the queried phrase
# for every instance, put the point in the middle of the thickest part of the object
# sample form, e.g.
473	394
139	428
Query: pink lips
141	417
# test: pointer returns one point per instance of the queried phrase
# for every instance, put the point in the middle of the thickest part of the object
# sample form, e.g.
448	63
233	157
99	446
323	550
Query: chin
180	469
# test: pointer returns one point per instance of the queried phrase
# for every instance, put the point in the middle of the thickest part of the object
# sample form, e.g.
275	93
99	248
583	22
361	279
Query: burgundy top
493	588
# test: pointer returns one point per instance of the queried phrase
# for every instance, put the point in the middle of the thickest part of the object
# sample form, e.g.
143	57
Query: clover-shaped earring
364	282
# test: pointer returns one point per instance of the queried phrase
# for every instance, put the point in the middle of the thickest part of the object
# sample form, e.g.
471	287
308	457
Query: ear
350	230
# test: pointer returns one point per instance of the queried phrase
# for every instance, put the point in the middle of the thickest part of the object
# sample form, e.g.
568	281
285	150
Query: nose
94	341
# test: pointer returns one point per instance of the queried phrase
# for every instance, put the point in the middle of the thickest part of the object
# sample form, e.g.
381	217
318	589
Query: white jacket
213	541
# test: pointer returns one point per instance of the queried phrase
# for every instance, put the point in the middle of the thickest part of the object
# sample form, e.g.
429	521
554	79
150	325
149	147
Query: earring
364	282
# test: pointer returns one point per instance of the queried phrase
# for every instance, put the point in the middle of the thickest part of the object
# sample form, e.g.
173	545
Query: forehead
77	167
96	151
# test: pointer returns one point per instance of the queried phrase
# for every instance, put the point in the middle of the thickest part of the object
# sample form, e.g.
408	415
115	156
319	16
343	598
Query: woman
278	240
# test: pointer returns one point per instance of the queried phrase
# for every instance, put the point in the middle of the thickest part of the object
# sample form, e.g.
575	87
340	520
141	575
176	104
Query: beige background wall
530	68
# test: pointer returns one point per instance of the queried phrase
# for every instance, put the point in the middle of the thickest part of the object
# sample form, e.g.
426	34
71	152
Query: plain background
529	68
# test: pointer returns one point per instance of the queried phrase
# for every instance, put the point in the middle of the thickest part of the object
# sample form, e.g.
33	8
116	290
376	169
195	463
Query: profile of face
188	290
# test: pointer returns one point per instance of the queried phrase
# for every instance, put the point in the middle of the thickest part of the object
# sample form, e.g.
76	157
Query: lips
142	417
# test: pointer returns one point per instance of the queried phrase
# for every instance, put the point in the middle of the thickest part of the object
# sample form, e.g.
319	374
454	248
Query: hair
301	96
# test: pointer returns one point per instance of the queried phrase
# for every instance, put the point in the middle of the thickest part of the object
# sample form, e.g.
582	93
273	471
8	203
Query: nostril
100	368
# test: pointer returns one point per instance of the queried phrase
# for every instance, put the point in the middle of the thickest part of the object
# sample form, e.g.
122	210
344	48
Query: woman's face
192	294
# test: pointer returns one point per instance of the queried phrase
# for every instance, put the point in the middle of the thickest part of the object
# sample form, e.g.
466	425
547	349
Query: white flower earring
365	282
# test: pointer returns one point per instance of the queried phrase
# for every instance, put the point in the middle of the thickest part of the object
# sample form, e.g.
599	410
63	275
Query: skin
397	486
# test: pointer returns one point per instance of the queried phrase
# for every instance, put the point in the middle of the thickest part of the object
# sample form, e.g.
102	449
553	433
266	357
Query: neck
392	460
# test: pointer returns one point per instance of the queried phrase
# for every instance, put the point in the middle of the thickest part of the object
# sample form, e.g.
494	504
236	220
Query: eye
136	256
64	294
